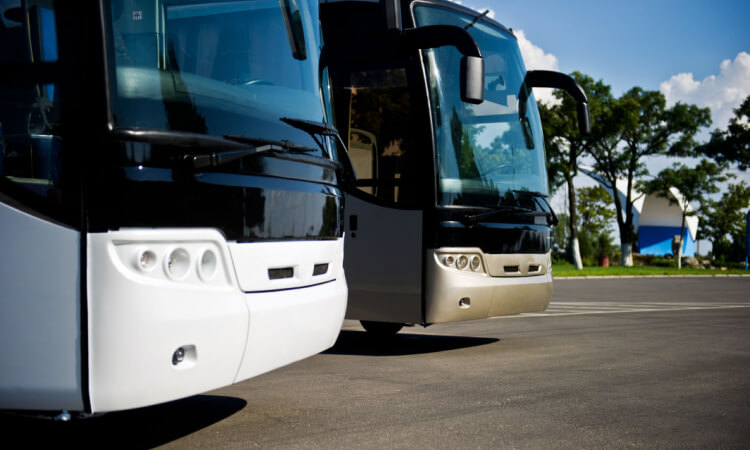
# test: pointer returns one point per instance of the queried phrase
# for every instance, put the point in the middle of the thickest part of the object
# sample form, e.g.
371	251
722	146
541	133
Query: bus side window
29	114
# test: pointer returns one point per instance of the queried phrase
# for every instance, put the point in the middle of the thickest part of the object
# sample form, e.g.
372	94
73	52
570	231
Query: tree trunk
576	248
682	232
626	259
572	225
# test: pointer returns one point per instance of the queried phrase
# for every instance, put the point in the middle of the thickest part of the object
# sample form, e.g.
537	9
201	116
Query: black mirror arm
551	79
472	64
434	36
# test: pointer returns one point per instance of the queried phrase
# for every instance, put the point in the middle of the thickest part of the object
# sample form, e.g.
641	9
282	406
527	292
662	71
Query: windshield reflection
219	68
482	157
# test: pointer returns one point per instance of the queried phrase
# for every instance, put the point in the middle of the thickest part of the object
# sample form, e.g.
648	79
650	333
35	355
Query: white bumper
138	318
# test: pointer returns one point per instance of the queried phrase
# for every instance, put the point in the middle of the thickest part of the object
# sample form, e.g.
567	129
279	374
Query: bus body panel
383	262
454	295
40	359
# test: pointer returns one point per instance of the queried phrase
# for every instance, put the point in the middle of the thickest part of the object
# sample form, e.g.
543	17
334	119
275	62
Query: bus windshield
218	67
482	156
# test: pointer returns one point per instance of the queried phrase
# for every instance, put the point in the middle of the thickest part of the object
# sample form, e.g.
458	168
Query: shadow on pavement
138	428
362	343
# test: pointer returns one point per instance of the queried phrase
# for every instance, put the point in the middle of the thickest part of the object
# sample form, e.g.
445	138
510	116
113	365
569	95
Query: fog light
208	265
448	260
462	262
475	263
464	303
178	356
146	260
177	263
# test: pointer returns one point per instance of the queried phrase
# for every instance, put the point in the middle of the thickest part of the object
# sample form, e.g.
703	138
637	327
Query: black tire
381	329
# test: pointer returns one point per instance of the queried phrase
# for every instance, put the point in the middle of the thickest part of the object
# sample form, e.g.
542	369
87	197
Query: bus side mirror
551	79
472	64
472	79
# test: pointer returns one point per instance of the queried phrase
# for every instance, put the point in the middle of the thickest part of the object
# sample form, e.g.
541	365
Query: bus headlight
146	260
208	264
462	262
177	263
475	263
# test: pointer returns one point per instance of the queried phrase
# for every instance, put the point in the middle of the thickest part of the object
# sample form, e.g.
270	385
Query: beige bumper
454	295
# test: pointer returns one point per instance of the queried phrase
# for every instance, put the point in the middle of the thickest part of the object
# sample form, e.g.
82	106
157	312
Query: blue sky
631	43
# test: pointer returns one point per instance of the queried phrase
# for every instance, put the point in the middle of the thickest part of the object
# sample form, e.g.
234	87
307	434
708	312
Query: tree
565	145
692	184
724	219
732	145
644	127
596	211
596	214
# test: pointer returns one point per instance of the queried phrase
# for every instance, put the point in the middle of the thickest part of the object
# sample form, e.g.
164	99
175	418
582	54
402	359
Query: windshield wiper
219	158
225	148
472	219
537	196
506	210
315	129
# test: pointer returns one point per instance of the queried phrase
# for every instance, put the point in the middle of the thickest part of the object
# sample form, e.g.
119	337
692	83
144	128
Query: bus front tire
381	329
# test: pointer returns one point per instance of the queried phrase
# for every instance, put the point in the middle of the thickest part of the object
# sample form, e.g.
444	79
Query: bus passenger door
383	262
383	246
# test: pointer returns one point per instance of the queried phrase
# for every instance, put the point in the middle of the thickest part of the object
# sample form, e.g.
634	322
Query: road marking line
582	310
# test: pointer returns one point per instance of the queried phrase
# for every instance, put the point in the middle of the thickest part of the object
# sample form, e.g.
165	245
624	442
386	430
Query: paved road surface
654	363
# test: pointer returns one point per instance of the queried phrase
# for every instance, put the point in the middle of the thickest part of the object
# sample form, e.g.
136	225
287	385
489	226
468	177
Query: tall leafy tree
645	127
596	210
723	220
596	214
732	145
565	145
693	185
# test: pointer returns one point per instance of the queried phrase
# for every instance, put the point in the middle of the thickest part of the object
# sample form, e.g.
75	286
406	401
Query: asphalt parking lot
642	362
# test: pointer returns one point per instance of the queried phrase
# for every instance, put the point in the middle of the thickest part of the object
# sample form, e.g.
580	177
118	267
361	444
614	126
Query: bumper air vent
320	269
280	273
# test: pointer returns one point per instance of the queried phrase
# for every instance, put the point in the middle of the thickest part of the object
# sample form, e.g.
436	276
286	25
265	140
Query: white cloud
535	58
722	93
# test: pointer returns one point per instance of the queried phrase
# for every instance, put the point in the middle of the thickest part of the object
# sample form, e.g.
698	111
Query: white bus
170	212
449	219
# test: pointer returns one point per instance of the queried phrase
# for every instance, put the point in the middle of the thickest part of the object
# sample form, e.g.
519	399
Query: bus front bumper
502	285
168	316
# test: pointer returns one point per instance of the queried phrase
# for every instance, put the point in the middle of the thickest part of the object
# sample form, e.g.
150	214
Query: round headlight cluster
465	262
178	262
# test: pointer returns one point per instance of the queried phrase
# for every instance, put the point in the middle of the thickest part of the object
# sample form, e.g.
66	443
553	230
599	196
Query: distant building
656	221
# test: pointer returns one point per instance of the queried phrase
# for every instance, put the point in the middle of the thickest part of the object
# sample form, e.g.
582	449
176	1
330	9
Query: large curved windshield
482	156
218	67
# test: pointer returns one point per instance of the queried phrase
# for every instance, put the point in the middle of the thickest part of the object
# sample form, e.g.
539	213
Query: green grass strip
568	270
